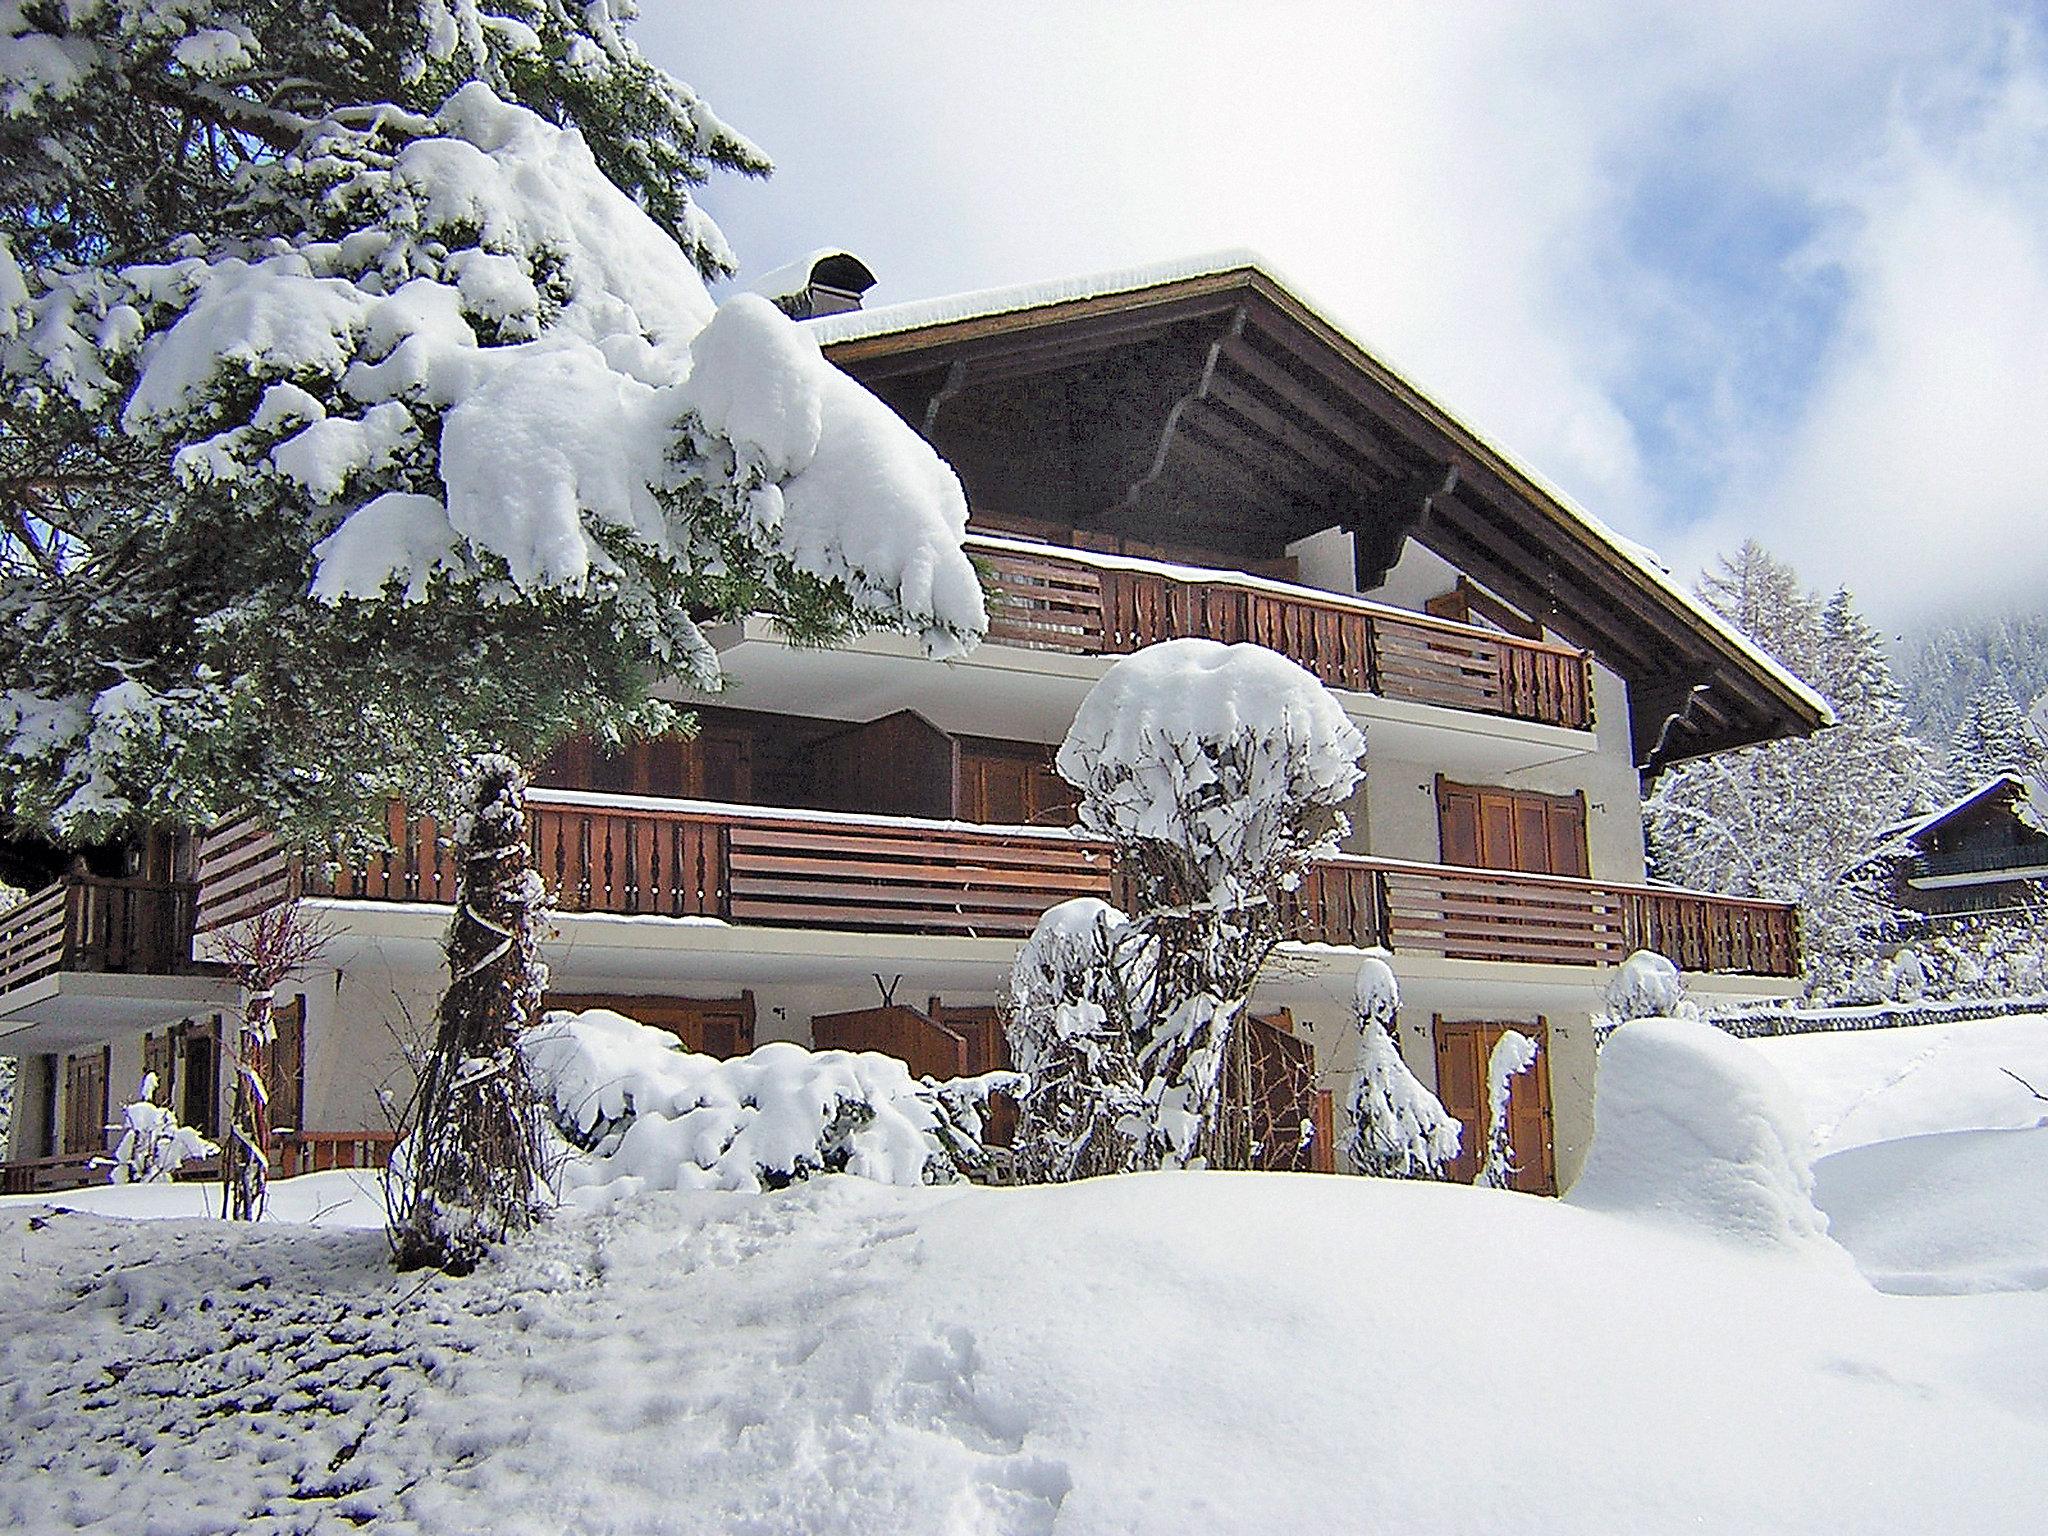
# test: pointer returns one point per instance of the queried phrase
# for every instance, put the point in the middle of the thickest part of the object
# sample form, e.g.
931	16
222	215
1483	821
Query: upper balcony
1456	696
749	867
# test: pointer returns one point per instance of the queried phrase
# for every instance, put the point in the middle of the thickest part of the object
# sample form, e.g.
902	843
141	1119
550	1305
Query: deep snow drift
1153	1353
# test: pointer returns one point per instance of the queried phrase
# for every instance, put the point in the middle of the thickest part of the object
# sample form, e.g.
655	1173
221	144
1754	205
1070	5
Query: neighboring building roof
1742	694
2007	786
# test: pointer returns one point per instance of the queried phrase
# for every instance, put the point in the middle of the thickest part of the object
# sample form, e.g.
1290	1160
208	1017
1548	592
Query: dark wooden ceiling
1220	412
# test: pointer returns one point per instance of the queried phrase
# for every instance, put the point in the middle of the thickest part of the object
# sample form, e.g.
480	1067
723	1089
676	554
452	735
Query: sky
1717	270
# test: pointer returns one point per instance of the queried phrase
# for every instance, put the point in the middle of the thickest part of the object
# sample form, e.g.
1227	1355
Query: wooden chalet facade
1185	452
1985	855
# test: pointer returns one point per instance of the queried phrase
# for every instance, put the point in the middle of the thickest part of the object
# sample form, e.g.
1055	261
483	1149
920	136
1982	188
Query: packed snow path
1153	1354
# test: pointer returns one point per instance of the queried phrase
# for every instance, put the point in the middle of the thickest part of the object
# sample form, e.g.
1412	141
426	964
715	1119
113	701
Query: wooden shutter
1457	807
85	1102
284	1067
716	1026
1483	826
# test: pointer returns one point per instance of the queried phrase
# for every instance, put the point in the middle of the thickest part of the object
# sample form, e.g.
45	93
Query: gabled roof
2008	787
1262	419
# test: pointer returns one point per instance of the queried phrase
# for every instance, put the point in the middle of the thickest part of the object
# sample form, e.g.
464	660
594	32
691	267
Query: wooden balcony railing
91	923
1047	599
685	859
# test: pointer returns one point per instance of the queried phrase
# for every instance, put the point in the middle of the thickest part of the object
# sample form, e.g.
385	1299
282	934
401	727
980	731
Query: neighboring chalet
850	850
1984	855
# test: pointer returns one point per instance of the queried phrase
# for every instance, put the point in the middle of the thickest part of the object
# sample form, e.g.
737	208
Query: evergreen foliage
1399	1129
1993	737
356	419
1944	667
1799	821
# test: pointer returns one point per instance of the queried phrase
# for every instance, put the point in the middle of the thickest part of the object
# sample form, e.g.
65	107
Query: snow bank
636	1110
1691	1126
1215	749
1958	1212
1863	1086
1647	986
1145	1356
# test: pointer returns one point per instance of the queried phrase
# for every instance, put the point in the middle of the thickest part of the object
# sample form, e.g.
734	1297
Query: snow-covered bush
1224	766
1399	1129
1513	1054
153	1145
1077	986
1647	986
1218	772
1693	1126
630	1104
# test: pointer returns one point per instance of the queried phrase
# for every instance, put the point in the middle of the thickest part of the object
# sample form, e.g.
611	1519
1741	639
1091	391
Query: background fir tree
1799	820
1993	737
1944	666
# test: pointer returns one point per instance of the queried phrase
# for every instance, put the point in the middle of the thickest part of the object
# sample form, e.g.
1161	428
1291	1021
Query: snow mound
1204	746
635	1109
1946	1214
1691	1126
1647	986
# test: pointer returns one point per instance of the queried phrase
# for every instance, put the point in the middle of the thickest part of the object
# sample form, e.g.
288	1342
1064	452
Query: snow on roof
922	314
1912	829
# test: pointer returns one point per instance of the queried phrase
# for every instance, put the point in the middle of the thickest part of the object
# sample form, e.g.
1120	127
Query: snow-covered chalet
852	847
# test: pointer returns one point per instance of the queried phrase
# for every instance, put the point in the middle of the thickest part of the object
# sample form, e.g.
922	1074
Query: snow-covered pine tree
1993	737
1218	772
365	410
1513	1054
1398	1129
1079	985
1942	668
1798	820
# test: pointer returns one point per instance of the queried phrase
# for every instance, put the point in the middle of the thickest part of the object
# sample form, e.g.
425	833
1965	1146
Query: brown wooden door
1271	1071
86	1109
716	1026
980	1025
1482	826
1462	1051
198	1101
1013	787
913	1037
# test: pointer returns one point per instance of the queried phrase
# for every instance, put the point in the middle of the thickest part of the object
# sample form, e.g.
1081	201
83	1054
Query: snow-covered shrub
1218	772
1226	765
1075	989
1399	1129
1513	1054
1693	1126
1648	986
630	1104
153	1145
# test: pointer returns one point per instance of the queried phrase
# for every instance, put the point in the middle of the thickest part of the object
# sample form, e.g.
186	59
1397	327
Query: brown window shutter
1457	823
1567	821
1533	854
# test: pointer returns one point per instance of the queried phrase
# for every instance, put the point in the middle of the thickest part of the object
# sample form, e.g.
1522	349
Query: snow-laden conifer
1513	1054
1993	737
1218	772
366	410
1398	1128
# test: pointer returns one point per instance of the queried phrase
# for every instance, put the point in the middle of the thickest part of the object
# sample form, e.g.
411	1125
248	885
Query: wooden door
912	1036
1463	1048
1483	826
716	1026
198	1052
1005	784
1269	1073
86	1109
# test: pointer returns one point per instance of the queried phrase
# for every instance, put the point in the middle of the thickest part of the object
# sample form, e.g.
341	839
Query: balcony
755	867
2024	861
1045	598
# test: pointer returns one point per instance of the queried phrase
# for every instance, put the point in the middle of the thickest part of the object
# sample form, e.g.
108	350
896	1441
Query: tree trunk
473	1173
245	1150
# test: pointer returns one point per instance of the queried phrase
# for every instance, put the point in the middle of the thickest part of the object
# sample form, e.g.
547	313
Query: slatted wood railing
685	859
1044	599
92	923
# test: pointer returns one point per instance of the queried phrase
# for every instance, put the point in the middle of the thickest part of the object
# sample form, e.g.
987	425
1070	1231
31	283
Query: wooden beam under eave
1298	494
1323	413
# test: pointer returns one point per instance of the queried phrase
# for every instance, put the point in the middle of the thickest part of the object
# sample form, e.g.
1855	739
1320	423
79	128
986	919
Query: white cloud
1455	184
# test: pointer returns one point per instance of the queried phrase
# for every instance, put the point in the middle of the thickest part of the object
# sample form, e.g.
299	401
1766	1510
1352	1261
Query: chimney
825	282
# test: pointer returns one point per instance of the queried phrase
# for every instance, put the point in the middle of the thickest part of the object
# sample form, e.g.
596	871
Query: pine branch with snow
412	319
1398	1128
1513	1054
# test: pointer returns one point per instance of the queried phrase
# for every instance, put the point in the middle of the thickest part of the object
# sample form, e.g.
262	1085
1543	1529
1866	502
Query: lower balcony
747	866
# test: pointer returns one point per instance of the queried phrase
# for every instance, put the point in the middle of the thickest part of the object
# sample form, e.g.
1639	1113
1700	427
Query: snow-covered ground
1154	1353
